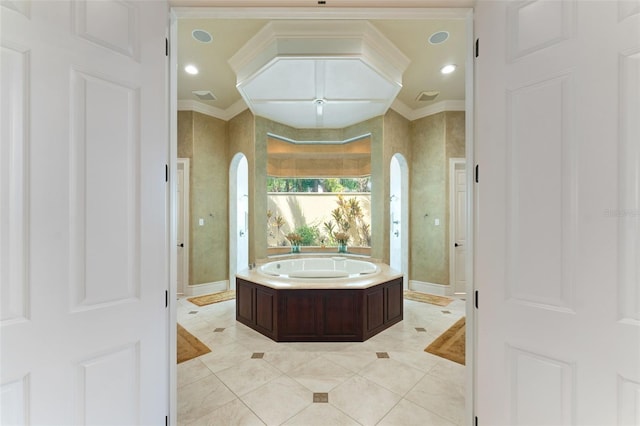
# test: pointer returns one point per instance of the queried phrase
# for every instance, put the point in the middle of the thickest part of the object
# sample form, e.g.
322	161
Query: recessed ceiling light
439	37
191	69
448	69
202	36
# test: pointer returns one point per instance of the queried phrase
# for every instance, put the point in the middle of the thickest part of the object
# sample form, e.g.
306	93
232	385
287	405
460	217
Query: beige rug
189	346
450	344
208	299
427	298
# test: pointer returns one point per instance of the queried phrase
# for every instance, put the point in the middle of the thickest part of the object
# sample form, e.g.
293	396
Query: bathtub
319	299
319	268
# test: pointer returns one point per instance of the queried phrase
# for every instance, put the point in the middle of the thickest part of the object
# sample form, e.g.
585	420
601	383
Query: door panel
556	215
84	235
106	212
182	199
14	164
460	229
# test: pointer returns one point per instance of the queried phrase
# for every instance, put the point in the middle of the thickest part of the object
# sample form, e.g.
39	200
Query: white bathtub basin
319	268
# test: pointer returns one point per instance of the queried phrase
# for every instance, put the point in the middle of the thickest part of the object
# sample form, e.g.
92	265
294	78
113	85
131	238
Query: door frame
172	168
462	13
184	164
234	192
404	215
454	165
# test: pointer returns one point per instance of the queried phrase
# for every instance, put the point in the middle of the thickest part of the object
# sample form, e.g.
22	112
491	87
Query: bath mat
427	298
189	346
208	299
450	344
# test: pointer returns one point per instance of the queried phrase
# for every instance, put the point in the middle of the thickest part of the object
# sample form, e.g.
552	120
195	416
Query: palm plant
279	223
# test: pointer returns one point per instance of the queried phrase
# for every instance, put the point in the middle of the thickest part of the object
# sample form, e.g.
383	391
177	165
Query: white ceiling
409	36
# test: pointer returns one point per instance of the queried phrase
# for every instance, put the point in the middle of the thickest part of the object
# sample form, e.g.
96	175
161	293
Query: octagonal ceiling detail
319	74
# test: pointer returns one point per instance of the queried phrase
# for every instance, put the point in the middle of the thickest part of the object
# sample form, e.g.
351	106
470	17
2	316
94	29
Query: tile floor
247	379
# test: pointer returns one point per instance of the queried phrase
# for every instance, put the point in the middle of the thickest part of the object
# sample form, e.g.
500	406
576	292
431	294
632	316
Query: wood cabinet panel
298	315
265	308
394	301
375	309
245	301
341	313
323	315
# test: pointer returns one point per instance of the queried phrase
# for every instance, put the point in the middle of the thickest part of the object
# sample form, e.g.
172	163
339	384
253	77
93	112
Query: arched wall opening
399	216
238	216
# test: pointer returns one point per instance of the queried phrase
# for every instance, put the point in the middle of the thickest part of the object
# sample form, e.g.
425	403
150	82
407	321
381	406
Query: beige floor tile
248	375
451	372
321	415
363	400
320	375
407	413
393	375
286	361
222	357
420	360
278	400
354	361
232	413
266	391
201	397
316	346
190	371
439	396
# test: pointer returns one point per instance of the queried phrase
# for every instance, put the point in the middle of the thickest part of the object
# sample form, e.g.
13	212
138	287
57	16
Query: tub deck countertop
363	281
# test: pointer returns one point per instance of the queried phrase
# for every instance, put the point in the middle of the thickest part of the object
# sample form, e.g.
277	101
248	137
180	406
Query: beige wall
203	139
241	141
436	138
427	144
375	127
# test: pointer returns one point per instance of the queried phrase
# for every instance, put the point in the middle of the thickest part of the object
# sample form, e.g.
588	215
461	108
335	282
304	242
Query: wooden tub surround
321	310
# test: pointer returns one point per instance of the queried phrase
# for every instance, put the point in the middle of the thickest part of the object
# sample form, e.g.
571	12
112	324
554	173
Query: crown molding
437	108
222	114
401	108
397	105
415	114
459	12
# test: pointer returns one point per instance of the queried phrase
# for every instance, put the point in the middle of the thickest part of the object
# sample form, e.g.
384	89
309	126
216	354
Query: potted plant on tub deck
295	240
341	238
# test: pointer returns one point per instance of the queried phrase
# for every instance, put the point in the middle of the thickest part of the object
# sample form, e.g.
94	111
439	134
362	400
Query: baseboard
430	288
206	288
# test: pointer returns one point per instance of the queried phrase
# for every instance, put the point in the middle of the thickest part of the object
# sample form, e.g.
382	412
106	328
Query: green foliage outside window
362	184
309	235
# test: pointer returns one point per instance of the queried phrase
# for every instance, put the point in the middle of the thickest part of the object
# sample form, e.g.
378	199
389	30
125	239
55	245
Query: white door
182	231
458	196
84	213
558	250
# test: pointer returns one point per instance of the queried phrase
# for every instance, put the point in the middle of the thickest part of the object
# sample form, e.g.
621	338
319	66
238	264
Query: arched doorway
399	216
238	216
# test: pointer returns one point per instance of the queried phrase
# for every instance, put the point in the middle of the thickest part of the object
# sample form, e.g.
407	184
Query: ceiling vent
319	74
427	96
204	95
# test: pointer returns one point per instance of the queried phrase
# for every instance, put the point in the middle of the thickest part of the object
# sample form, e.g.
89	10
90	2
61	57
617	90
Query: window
318	210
